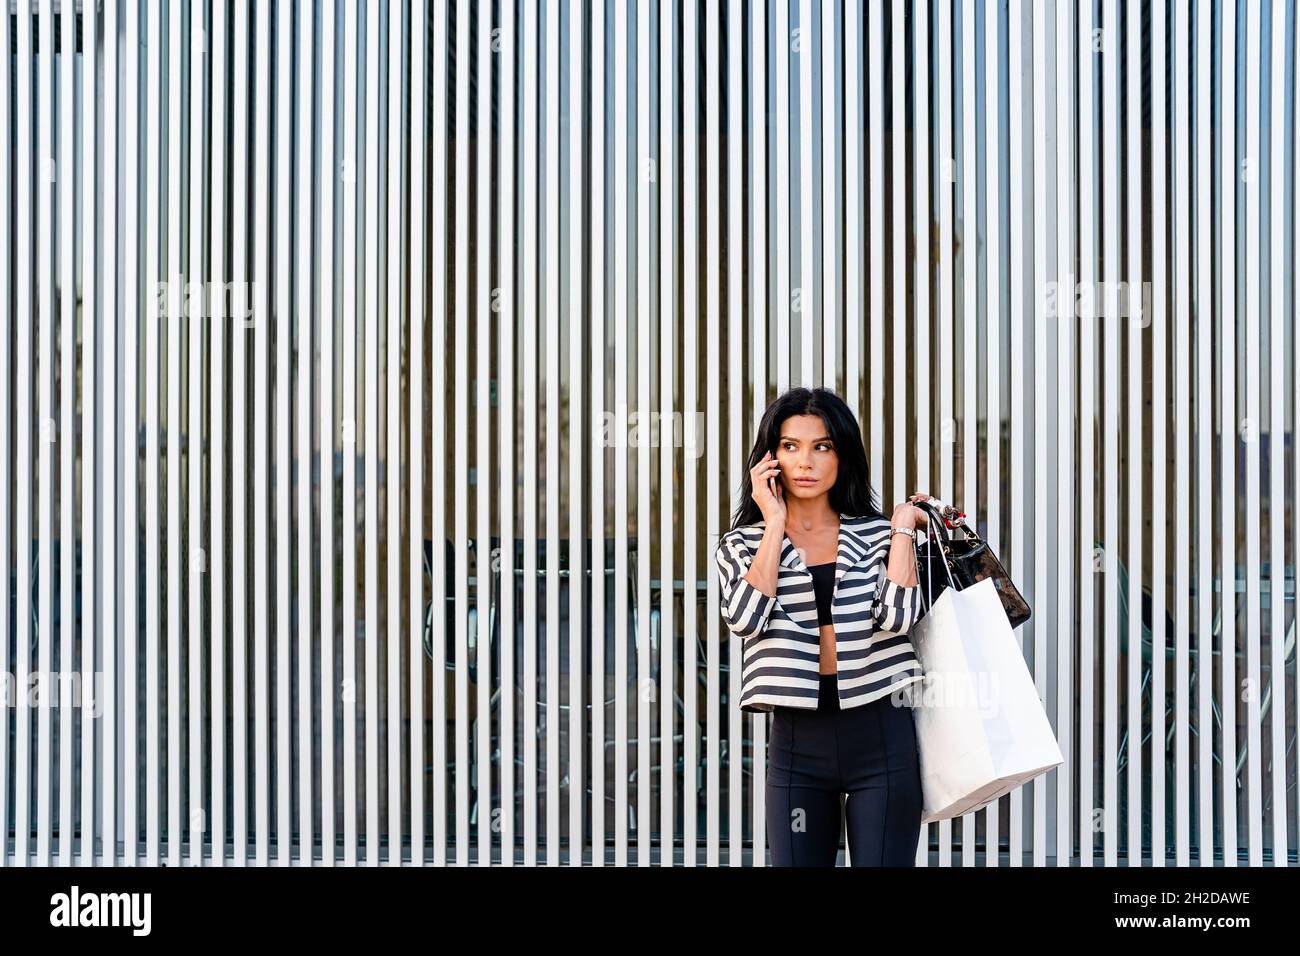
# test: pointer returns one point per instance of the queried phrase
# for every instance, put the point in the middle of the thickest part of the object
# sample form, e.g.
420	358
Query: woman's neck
810	515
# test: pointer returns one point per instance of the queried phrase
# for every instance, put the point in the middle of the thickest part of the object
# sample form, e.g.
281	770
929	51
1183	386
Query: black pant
867	752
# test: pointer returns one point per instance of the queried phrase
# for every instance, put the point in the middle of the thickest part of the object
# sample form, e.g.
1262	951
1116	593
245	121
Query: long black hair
852	493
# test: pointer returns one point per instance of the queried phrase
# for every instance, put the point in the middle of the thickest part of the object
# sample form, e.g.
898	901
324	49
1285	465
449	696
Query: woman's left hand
909	515
951	516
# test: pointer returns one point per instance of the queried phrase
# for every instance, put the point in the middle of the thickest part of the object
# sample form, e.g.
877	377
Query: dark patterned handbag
944	557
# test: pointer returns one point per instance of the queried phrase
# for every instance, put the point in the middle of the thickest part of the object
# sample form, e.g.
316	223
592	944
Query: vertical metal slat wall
377	378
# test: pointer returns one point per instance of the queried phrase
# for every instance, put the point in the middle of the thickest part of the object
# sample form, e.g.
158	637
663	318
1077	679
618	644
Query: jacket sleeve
745	608
897	606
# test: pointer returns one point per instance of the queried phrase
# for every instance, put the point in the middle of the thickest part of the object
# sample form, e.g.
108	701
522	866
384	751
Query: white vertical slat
712	421
23	483
551	312
92	427
736	422
1229	441
370	462
736	319
461	490
239	439
757	725
1092	115
221	325
831	199
666	169
1133	326
810	307
1111	326
329	424
1295	373
397	132
577	575
131	440
969	311
874	80
8	254
1251	175
921	258
461	496
1181	311
577	572
946	166
993	338
920	263
1037	582
855	302
781	46
109	539
893	488
66	431
437	444
1064	476
281	466
992	357
1088	310
1202	313
1181	425
1295	376
621	308
644	815
1016	110
690	393
45	494
415	525
262	278
154	273
599	687
348	689
529	398
1276	458
482	458
170	273
1159	205
509	186
303	265
529	189
197	560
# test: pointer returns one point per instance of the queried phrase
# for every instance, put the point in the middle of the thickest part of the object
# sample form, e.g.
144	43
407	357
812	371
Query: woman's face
807	456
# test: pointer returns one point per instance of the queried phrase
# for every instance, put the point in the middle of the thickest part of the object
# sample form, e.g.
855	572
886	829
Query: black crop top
824	587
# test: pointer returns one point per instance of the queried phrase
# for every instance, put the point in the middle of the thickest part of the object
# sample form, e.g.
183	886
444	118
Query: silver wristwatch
910	532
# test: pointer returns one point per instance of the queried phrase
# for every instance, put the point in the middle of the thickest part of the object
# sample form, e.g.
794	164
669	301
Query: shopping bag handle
932	533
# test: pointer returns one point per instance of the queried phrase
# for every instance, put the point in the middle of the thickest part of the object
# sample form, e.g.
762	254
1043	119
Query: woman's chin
805	491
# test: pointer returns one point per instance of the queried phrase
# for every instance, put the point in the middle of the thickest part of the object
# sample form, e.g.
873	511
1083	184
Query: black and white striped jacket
873	616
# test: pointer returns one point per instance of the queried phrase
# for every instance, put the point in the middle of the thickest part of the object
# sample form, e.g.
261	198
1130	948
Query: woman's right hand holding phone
769	492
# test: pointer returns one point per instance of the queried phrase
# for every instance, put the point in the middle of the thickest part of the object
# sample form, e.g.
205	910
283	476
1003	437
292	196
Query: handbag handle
929	581
931	533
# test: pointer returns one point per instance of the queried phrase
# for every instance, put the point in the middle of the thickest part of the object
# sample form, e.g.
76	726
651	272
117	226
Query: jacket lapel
852	548
790	556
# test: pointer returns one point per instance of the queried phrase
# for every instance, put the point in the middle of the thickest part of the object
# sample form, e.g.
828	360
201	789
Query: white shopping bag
981	728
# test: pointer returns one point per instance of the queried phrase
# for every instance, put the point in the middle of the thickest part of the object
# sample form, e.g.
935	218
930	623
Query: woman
821	587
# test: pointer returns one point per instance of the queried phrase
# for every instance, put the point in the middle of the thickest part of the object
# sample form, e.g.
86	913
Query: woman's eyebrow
815	441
